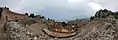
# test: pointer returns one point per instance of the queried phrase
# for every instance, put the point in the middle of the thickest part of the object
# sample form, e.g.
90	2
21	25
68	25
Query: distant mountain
77	20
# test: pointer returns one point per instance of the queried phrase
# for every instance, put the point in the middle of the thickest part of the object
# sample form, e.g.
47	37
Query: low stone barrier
63	35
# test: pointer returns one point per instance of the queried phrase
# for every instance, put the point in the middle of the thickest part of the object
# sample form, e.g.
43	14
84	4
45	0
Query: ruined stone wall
14	16
6	15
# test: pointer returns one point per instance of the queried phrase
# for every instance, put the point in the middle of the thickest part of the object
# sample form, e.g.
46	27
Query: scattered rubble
107	31
17	31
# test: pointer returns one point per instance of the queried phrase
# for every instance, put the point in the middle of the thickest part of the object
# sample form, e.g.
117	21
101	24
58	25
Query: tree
48	18
77	19
1	12
64	24
42	17
26	13
91	18
6	8
31	15
117	13
105	10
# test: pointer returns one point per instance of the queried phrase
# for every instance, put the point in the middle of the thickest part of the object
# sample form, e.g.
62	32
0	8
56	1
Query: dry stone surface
17	31
107	31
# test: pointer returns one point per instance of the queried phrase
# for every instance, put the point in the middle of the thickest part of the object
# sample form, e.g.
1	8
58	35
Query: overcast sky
60	9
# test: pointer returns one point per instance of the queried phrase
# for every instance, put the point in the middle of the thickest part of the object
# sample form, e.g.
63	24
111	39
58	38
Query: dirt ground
2	33
36	28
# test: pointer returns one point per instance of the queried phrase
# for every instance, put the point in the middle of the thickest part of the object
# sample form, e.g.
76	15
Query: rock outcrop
102	13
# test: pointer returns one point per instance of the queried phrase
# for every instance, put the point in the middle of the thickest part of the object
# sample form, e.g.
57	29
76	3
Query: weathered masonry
6	14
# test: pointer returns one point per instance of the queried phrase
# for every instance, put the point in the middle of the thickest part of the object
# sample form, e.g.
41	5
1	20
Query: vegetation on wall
116	16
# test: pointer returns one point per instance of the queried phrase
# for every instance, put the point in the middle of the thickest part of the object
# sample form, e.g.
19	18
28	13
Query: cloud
92	5
60	9
109	4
